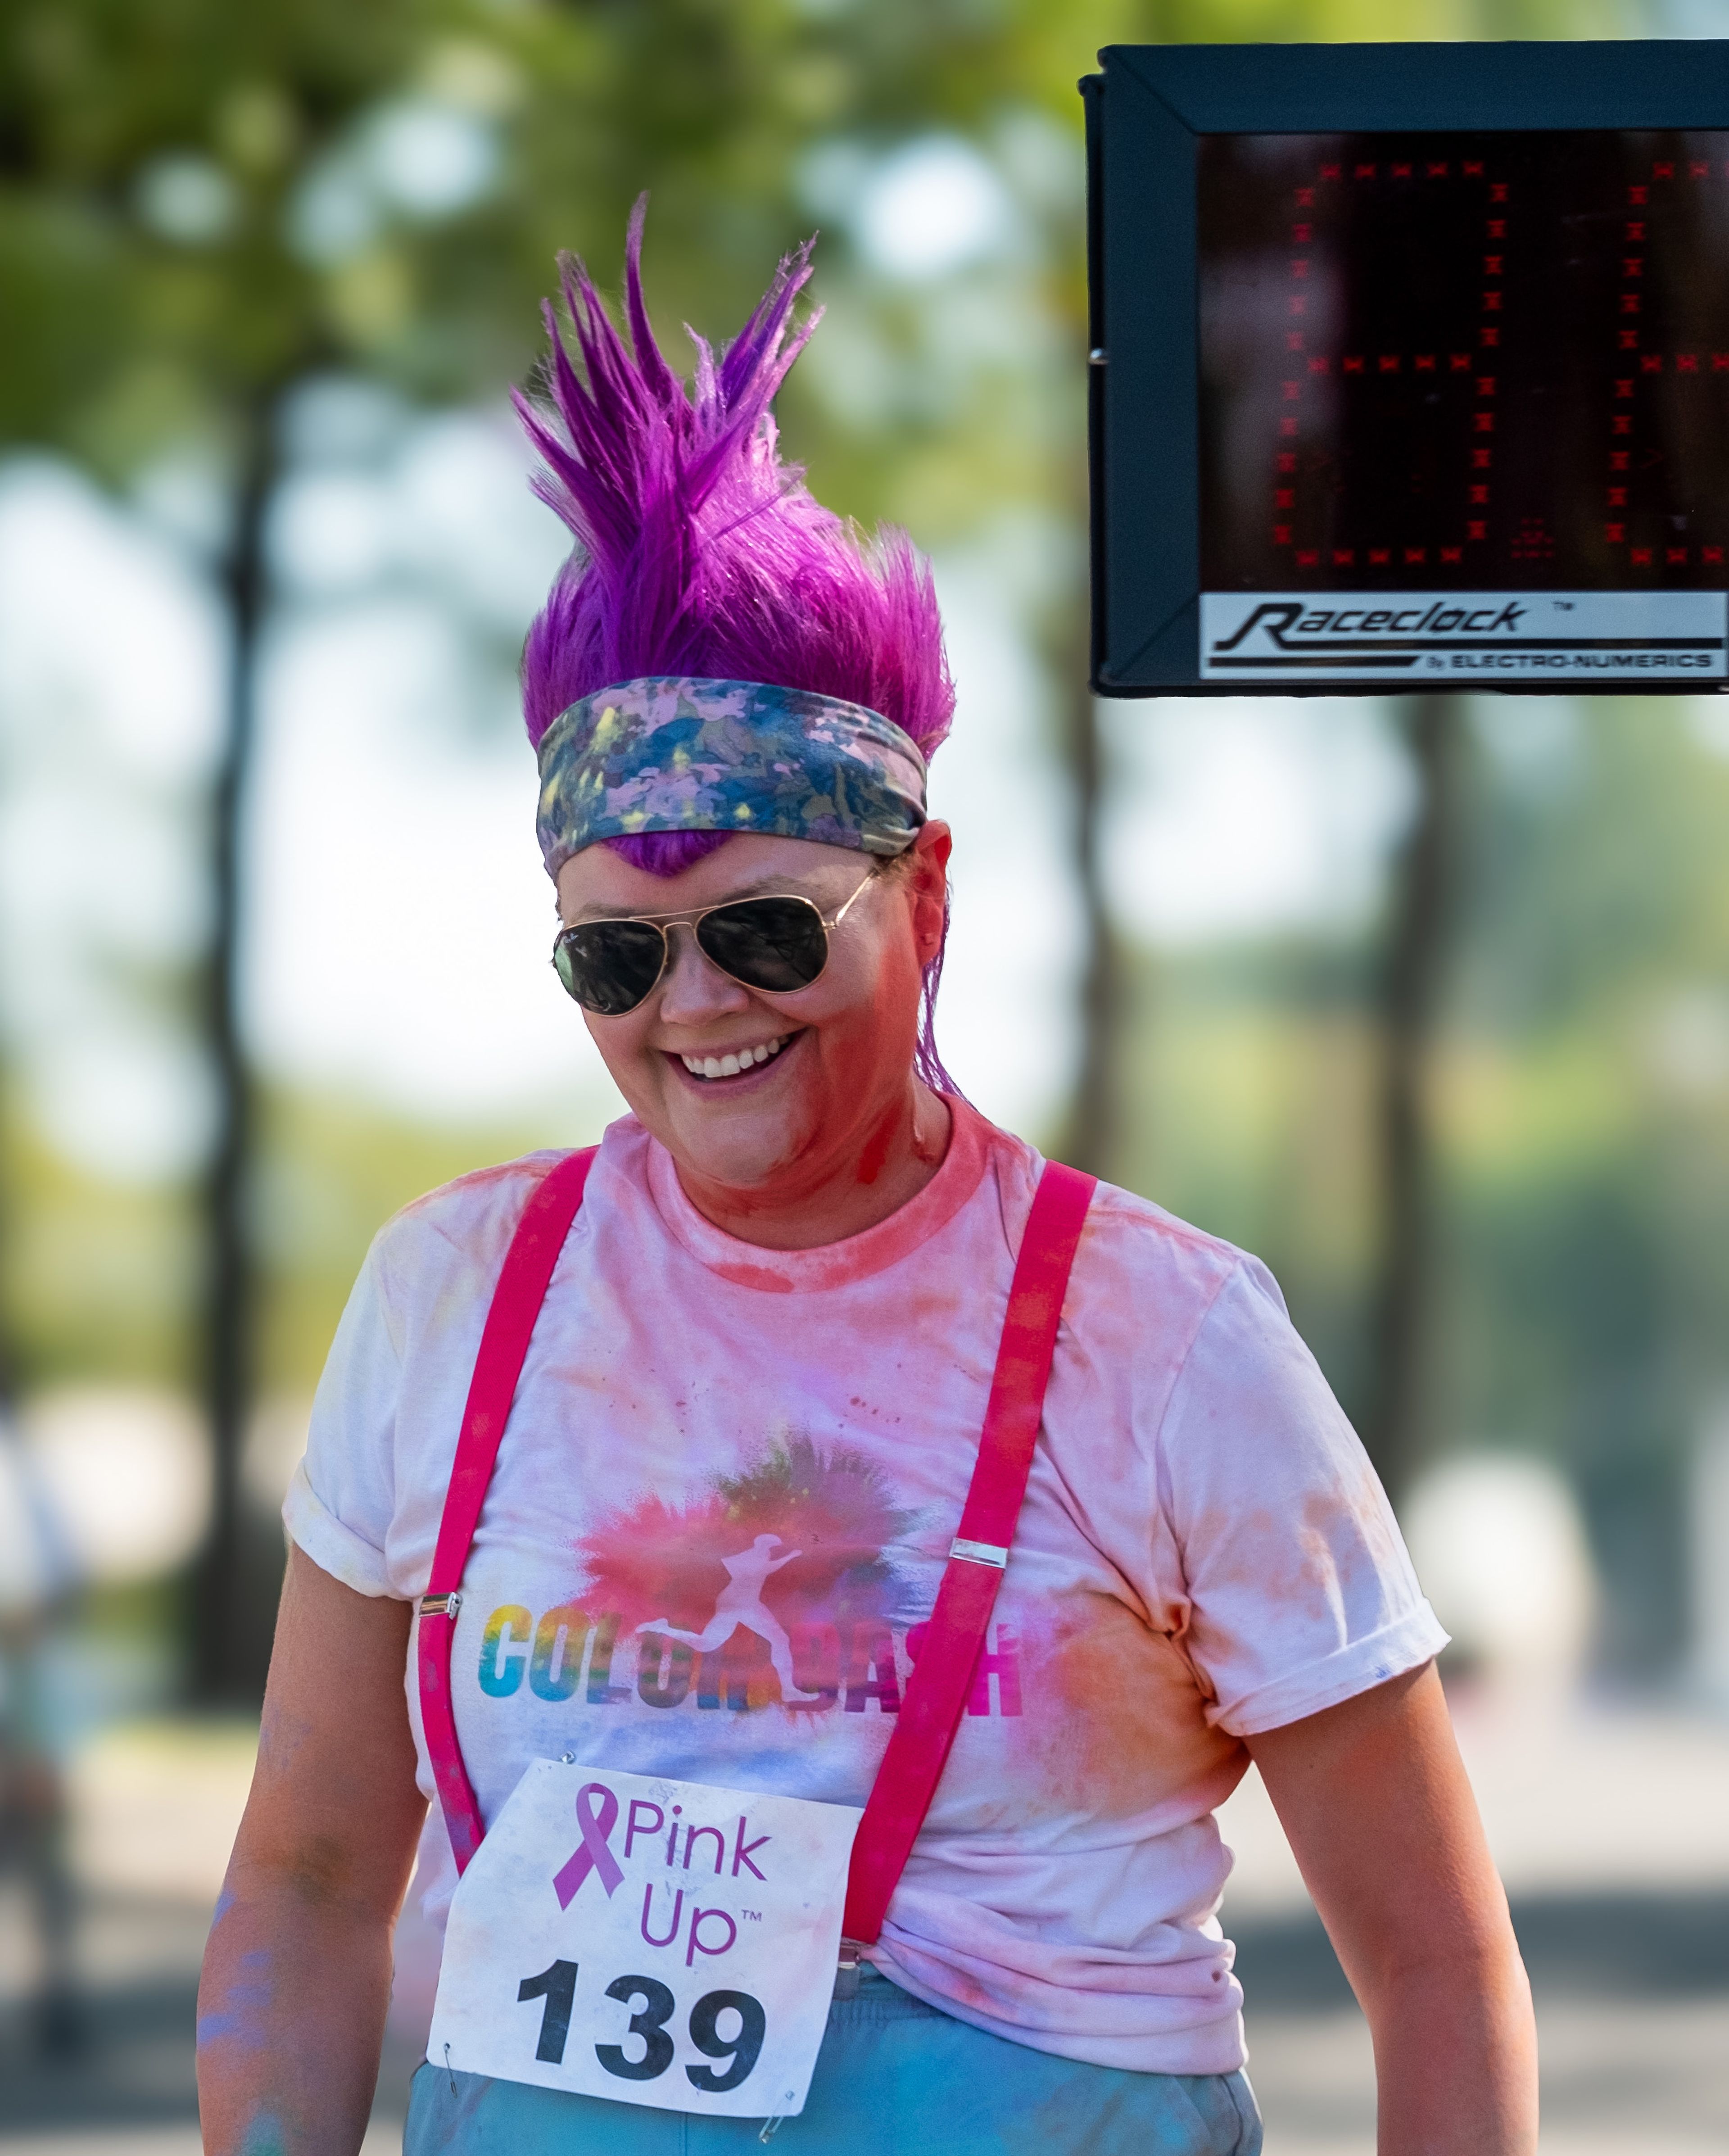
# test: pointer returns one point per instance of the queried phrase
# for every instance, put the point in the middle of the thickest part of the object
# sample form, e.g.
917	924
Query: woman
753	1374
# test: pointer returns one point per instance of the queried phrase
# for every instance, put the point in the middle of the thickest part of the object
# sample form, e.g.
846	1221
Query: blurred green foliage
190	217
1580	1098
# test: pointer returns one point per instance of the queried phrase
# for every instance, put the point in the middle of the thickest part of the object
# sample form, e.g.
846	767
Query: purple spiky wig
699	552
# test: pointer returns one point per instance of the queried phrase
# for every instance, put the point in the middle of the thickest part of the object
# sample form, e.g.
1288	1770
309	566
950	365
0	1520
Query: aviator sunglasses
775	943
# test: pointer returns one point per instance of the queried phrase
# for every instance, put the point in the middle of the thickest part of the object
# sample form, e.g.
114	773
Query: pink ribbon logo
592	1854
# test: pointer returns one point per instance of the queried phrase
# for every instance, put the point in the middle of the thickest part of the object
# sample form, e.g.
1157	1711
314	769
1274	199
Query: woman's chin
743	1146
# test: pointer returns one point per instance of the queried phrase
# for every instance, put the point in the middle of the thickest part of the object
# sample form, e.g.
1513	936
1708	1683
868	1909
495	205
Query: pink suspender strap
941	1680
937	1691
504	1344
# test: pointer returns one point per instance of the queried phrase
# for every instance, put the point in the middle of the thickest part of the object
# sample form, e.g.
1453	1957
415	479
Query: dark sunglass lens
772	943
609	966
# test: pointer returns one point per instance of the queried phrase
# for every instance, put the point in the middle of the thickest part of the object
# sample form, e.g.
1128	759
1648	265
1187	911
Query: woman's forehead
599	880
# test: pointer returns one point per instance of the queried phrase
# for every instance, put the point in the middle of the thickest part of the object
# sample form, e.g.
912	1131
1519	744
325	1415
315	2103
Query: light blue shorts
893	2075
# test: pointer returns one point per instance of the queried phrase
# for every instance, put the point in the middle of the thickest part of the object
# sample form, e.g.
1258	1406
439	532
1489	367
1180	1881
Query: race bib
653	1942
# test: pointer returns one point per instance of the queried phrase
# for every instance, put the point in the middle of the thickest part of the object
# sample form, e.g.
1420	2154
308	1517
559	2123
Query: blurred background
1426	1003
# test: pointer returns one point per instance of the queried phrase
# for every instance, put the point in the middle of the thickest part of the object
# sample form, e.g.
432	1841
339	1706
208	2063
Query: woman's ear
927	873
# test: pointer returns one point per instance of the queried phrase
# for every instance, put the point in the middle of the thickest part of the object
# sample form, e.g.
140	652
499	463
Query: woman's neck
897	1155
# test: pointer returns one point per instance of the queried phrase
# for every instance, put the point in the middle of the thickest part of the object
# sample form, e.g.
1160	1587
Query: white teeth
735	1060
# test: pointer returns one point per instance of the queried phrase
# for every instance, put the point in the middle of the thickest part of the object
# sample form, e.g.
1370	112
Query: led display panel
1411	405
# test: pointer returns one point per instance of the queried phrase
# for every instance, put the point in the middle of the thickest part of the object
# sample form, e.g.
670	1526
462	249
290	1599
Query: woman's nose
695	988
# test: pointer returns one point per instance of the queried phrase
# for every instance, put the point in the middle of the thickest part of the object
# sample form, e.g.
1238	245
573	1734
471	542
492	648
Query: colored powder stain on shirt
721	1511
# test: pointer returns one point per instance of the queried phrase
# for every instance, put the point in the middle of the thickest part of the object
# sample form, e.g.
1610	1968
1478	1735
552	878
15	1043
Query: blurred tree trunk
238	1573
1414	964
1091	1141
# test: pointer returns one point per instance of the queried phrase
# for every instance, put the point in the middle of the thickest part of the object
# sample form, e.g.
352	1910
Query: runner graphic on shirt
741	1603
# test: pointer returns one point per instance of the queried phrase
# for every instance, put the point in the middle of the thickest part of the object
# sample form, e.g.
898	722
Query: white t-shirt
724	1500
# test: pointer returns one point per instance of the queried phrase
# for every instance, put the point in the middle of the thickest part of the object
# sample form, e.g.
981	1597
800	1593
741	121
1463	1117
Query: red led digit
1390	466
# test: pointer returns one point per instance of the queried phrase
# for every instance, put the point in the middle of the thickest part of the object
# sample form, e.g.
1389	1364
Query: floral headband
673	753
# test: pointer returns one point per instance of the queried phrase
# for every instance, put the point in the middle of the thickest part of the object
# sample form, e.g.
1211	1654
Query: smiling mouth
736	1061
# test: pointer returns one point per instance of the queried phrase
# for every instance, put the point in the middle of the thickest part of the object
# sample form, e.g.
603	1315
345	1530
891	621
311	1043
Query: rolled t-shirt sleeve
342	1500
1299	1591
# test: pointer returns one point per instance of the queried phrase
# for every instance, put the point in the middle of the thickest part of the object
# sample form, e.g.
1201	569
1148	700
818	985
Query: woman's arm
297	1972
1374	1799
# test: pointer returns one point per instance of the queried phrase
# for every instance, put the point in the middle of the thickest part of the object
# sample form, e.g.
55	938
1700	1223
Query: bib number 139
724	2025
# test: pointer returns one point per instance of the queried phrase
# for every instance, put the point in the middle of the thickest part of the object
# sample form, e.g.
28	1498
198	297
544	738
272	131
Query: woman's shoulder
466	1224
1132	1247
1135	1231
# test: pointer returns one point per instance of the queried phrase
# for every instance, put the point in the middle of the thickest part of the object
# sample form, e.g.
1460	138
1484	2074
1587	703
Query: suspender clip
992	1553
846	1975
442	1605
